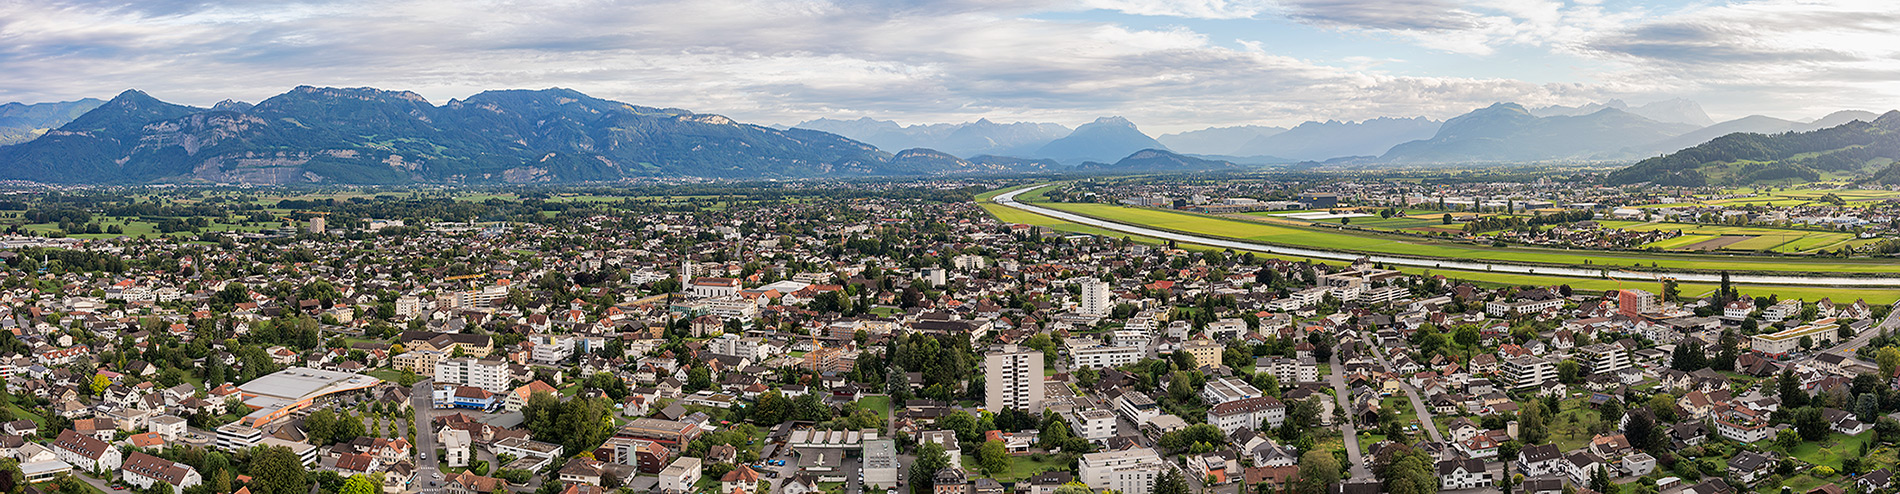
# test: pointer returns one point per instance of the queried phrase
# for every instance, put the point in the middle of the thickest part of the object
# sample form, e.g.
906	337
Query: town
903	336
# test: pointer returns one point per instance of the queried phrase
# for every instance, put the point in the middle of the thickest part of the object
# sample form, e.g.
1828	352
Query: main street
1846	348
426	468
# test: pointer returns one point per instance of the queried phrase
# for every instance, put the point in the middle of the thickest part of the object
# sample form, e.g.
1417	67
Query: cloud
756	60
1807	57
1198	9
1392	15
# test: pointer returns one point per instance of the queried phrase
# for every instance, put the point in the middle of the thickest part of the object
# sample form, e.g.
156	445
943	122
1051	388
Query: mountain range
965	139
20	122
1677	110
1509	132
366	135
1861	150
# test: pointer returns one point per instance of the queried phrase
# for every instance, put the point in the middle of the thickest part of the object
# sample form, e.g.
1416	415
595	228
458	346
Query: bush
1822	471
515	476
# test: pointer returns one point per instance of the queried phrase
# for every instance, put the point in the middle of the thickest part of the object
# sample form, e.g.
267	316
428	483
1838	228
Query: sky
1167	65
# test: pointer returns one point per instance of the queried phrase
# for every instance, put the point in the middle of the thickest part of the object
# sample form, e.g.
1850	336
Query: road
1418	405
1351	435
1846	348
1008	199
427	468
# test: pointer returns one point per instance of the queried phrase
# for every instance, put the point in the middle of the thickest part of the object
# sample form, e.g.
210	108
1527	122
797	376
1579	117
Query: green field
1874	296
1346	240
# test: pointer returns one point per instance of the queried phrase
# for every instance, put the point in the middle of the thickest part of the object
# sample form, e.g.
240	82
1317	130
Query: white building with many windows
1130	471
493	376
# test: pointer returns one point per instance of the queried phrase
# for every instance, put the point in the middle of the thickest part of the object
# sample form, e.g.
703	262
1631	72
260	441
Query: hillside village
882	345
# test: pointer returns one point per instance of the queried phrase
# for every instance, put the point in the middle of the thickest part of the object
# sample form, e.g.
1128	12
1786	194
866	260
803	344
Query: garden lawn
877	403
1837	446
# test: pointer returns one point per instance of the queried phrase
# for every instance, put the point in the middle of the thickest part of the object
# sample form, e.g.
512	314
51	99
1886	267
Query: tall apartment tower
1012	378
316	225
1095	297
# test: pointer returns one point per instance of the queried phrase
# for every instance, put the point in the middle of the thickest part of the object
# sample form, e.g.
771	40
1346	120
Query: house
358	463
743	477
469	483
1750	467
681	475
1463	474
143	470
86	452
1877	480
1541	460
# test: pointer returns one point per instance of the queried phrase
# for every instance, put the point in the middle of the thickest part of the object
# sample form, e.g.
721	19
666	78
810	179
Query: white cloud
1199	9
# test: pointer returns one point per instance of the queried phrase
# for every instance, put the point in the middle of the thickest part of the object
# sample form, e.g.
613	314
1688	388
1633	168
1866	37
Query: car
118	487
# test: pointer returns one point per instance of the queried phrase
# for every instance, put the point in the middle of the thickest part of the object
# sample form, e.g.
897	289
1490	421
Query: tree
1318	471
1610	411
1889	359
360	484
773	408
1171	482
1788	389
1569	371
99	384
930	459
1663	407
1412	473
1788	440
1530	423
1600	480
1811	424
993	456
1641	431
276	470
963	424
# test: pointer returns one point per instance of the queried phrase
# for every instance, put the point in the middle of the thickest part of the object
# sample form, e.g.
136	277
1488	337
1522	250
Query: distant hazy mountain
1756	124
1157	160
1217	140
1866	149
1671	110
1508	132
1104	139
1837	118
920	161
23	122
967	139
1018	164
1317	141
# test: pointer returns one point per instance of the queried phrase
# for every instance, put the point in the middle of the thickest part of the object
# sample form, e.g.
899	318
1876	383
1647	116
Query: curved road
1008	199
